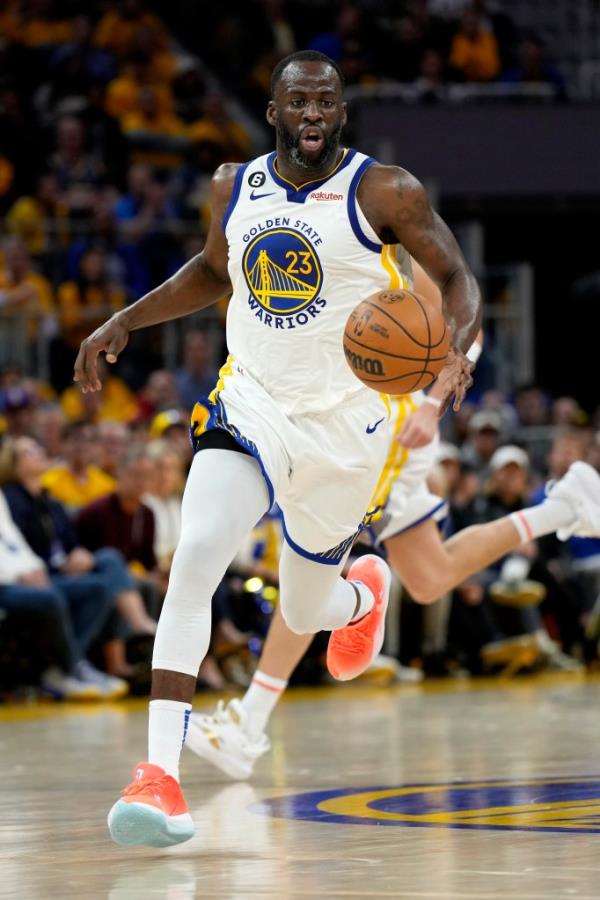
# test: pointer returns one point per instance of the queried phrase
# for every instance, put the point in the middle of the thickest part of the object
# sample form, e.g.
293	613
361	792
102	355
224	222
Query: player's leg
429	567
233	737
314	597
224	498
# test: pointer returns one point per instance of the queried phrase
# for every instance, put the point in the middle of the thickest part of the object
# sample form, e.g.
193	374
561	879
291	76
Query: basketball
396	341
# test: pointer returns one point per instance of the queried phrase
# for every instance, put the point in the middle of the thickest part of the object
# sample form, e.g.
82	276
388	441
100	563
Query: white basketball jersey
299	261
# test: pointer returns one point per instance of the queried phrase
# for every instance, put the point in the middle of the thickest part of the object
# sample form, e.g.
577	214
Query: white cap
447	452
486	418
509	454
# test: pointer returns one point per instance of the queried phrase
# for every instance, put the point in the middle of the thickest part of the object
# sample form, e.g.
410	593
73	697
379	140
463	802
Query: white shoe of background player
580	488
222	739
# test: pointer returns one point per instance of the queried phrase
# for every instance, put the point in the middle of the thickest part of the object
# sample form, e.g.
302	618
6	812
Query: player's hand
111	338
420	428
455	379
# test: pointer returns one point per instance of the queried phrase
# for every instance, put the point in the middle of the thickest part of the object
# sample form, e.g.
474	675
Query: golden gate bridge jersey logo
283	273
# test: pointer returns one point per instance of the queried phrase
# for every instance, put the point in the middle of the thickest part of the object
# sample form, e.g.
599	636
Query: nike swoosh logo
372	428
254	196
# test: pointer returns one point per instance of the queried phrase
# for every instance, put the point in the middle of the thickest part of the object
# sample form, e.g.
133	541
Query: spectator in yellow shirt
42	219
156	138
217	126
85	303
38	28
23	291
123	93
78	480
116	30
114	403
474	51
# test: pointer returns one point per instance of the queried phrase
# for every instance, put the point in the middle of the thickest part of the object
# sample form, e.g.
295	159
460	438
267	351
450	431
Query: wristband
433	401
474	352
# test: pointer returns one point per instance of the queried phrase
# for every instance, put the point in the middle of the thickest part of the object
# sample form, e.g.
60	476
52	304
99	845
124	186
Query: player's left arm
398	208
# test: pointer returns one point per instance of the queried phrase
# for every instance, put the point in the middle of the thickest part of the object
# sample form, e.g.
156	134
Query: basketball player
300	236
233	737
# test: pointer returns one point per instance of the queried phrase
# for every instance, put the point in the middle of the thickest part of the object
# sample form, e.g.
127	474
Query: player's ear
344	113
271	113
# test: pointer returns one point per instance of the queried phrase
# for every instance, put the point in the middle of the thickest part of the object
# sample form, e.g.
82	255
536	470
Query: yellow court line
14	712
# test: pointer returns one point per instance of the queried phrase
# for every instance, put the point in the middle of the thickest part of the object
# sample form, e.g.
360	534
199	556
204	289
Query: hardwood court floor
508	803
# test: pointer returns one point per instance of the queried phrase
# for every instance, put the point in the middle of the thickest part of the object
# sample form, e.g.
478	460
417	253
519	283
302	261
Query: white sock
260	700
167	728
366	600
545	518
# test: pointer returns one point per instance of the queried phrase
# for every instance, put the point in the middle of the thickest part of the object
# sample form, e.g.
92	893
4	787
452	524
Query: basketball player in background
233	738
287	420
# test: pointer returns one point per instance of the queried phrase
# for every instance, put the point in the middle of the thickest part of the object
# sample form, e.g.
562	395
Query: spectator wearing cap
507	491
17	409
198	375
484	437
448	456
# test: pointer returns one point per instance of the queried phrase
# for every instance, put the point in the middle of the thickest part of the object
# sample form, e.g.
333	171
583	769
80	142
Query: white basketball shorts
320	468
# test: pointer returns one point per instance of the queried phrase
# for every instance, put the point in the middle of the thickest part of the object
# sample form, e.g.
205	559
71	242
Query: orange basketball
396	342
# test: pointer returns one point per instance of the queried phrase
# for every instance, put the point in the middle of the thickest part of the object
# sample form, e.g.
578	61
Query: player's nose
311	112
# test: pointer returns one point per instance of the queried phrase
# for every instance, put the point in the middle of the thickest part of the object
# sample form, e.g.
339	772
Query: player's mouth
312	139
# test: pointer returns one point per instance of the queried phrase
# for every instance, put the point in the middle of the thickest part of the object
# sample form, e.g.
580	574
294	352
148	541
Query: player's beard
291	144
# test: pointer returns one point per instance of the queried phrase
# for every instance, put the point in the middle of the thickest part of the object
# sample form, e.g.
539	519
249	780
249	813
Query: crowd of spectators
426	43
90	517
110	129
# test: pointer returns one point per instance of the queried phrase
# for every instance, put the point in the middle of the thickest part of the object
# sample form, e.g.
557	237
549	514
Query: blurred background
113	116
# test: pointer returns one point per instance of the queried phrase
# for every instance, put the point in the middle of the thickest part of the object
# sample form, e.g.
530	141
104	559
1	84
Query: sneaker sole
381	633
116	693
200	745
141	825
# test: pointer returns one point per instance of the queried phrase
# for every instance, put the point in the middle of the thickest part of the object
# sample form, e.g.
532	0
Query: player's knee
425	589
295	618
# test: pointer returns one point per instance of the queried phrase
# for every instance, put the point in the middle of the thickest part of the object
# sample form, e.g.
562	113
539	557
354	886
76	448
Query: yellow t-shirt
34	310
117	402
81	313
478	59
62	484
123	97
118	34
165	125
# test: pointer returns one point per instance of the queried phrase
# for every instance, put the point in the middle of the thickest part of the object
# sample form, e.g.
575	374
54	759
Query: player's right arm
198	284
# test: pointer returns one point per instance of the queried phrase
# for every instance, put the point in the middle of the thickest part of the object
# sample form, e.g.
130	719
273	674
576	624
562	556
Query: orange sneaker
152	811
353	648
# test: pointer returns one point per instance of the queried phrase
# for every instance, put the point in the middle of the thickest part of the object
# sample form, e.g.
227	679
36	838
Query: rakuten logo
324	195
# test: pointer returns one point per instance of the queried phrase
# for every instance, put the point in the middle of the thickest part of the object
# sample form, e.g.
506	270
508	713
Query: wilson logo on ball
396	341
370	366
